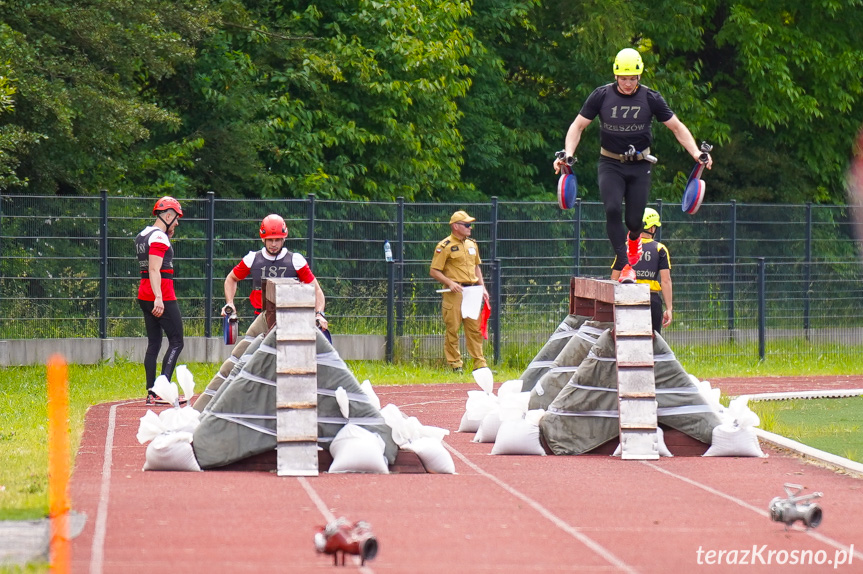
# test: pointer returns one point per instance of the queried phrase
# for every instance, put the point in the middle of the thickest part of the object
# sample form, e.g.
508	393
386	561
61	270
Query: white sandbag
739	413
513	406
487	431
710	395
435	457
468	424
150	427
186	381
354	449
366	386
730	440
519	436
180	419
509	387
484	378
736	435
406	429
174	419
165	389
663	448
172	451
534	416
478	404
343	401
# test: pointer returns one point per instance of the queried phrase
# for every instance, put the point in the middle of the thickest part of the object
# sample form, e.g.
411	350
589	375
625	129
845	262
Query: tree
84	73
342	99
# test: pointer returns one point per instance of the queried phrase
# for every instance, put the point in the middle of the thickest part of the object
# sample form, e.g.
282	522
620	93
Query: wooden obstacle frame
627	307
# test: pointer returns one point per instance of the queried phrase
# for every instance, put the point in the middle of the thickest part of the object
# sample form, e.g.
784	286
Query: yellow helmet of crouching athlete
651	218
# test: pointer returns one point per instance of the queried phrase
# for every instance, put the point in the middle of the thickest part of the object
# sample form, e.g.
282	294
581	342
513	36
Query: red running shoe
627	275
153	398
633	250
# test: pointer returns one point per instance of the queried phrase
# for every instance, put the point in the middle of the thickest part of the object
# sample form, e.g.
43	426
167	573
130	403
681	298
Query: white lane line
319	503
97	550
554	519
329	517
810	532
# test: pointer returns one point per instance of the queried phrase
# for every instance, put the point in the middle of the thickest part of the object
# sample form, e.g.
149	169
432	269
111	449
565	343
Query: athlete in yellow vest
654	268
455	264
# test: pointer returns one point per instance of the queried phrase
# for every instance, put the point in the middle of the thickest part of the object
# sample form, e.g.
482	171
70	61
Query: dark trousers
656	311
619	182
171	322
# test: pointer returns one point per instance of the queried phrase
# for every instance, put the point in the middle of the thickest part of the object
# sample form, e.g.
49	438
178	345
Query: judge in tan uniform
456	264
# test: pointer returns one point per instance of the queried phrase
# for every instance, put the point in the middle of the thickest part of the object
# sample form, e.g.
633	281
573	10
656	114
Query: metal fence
756	281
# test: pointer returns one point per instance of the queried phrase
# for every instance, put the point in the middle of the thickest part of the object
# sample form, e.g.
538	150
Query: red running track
499	514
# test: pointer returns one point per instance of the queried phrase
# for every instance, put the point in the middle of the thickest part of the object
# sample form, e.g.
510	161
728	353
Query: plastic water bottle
388	252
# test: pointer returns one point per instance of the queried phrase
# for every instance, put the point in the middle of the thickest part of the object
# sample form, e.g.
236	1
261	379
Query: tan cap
459	216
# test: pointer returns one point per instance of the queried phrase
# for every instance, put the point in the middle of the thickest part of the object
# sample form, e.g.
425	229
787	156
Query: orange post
58	462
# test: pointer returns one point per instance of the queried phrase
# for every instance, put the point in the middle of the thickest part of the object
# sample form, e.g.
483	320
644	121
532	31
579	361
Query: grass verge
831	425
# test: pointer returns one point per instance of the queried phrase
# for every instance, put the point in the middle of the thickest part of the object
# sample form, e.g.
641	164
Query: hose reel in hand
230	325
567	185
693	194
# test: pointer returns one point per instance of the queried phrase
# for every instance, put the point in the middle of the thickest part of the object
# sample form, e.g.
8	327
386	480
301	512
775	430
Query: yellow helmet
628	63
651	218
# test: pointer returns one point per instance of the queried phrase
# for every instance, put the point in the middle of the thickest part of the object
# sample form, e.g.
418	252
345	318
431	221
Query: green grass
784	358
831	425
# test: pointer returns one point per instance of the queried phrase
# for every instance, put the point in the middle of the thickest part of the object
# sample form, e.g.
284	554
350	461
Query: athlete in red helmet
274	260
156	295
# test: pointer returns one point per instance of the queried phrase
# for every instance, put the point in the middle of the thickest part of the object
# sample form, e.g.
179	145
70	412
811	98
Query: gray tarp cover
240	420
584	414
543	360
566	363
258	327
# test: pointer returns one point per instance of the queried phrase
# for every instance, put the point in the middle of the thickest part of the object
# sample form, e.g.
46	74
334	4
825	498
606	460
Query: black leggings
619	181
171	322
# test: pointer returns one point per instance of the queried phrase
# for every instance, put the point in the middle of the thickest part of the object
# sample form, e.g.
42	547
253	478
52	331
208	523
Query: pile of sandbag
240	419
570	402
502	419
170	433
584	415
237	417
425	441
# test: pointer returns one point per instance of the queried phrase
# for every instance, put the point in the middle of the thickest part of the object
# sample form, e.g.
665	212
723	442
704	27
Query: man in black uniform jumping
626	109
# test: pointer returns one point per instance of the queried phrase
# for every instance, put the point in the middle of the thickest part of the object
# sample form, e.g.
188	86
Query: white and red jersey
154	241
260	264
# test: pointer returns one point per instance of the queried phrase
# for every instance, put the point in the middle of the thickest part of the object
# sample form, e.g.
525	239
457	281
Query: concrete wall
354	347
196	349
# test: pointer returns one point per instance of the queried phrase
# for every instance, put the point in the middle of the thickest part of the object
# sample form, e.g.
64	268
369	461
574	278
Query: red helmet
168	202
273	226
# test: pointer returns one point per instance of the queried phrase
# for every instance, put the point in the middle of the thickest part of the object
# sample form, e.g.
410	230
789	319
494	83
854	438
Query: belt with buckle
638	156
468	284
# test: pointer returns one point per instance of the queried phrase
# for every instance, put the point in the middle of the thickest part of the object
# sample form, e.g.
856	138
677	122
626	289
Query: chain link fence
755	281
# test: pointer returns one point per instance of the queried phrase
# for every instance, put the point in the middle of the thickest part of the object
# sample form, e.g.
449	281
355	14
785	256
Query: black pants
619	182
656	311
171	322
